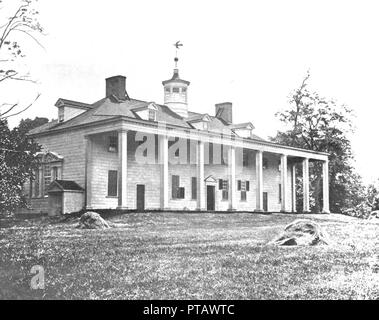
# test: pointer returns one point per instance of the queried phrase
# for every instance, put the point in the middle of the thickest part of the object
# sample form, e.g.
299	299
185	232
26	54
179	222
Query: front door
140	197
265	202
210	198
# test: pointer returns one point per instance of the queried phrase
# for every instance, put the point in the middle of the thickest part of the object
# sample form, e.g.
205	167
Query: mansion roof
112	108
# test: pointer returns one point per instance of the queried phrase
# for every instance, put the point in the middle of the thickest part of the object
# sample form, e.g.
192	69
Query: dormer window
113	144
152	115
243	130
61	114
147	112
200	121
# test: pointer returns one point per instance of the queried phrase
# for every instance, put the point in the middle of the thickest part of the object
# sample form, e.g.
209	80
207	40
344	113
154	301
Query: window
55	173
112	183
175	90
113	144
49	170
205	125
36	184
177	192
61	114
194	188
265	163
223	185
245	158
177	148
181	193
46	178
280	193
224	154
243	186
167	89
210	153
184	90
152	115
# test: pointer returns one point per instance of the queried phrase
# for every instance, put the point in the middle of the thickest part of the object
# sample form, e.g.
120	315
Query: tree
17	152
28	124
20	24
316	123
373	195
17	164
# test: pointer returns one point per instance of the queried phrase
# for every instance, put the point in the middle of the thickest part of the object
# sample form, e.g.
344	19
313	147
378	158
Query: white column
122	168
306	185
88	173
283	179
232	177
325	186
293	191
163	161
200	189
259	177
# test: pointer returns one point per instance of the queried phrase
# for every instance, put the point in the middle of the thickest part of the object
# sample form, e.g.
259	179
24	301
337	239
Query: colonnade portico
287	185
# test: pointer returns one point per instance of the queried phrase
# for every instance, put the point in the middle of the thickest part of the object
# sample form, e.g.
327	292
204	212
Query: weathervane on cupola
175	89
177	45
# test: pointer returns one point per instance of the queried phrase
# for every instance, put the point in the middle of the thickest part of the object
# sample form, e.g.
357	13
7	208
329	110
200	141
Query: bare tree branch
9	110
31	36
15	114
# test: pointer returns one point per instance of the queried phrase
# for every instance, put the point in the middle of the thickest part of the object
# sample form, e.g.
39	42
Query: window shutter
112	183
239	185
210	153
194	188
181	193
174	186
220	184
280	193
247	185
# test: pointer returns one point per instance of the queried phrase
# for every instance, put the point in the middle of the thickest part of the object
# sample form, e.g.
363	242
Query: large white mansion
124	153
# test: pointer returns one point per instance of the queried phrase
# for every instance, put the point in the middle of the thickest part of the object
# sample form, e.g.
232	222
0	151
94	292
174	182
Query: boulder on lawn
301	233
374	214
92	220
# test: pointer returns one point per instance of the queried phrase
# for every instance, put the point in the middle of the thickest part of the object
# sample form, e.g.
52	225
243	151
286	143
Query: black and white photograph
189	150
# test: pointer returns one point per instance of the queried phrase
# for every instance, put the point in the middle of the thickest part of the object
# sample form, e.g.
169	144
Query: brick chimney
116	86
224	111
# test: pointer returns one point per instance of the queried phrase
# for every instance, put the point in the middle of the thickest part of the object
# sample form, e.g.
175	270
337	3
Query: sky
251	53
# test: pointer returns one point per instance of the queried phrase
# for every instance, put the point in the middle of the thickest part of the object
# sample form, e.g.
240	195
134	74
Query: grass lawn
189	256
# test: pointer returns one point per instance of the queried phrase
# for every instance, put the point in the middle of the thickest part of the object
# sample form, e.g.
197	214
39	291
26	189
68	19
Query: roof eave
172	126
